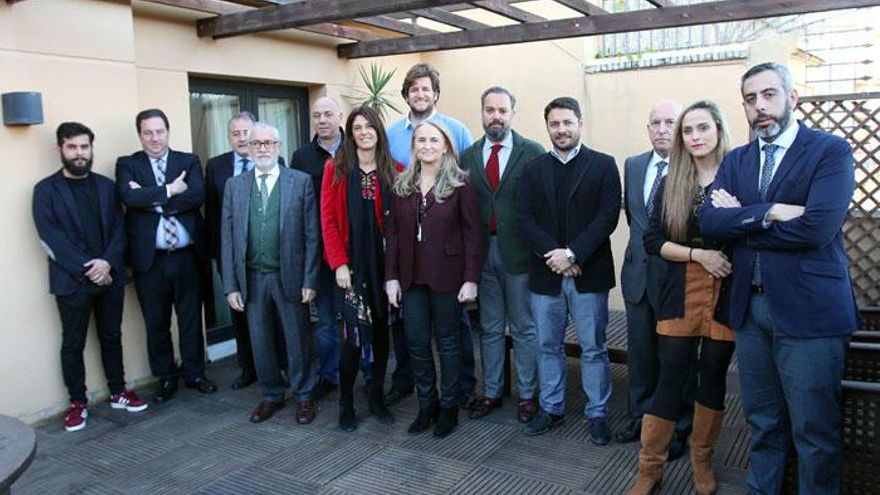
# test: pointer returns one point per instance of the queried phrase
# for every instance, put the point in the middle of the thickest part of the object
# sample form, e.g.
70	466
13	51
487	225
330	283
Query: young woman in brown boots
691	308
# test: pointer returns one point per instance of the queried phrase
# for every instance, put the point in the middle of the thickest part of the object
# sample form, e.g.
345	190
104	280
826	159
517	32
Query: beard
75	169
264	164
564	147
496	131
772	131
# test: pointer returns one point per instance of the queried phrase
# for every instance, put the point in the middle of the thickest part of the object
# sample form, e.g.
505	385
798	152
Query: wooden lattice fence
856	118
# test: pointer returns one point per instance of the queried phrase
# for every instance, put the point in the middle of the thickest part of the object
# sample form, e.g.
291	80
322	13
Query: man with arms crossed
780	202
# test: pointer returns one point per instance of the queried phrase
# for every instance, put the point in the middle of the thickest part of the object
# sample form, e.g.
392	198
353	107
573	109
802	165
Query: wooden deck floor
205	445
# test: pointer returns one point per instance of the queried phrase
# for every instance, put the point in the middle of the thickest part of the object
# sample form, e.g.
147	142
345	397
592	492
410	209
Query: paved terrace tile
204	444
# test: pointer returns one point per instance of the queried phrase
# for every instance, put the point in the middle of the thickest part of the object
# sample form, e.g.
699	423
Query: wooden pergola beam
501	7
640	20
582	6
396	25
448	18
303	13
221	7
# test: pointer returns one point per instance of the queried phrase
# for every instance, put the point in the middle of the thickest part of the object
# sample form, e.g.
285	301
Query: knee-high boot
707	426
656	434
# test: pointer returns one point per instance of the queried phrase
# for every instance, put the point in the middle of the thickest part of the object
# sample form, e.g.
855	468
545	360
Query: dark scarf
366	302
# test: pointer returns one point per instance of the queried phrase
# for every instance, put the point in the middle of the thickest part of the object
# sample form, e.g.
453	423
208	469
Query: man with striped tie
162	190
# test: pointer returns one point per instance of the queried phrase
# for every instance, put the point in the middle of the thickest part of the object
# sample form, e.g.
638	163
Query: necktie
264	190
649	206
766	177
160	172
493	173
169	225
246	165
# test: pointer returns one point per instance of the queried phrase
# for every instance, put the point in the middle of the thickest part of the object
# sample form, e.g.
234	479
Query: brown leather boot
656	434
707	425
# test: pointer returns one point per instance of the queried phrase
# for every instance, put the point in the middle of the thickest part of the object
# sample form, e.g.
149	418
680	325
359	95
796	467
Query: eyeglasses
262	144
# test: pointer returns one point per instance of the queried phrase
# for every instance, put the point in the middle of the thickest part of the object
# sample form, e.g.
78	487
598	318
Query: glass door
212	103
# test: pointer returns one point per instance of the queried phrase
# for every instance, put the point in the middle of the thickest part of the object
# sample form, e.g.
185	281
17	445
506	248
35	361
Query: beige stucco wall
101	61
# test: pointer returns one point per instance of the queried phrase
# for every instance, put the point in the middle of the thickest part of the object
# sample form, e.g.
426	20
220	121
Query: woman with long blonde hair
434	251
692	306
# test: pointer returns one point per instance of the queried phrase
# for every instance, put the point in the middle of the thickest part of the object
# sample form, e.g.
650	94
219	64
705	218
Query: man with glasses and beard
495	164
568	204
80	224
271	256
780	202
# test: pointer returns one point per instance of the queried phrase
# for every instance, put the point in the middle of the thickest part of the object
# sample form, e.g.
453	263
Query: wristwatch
570	255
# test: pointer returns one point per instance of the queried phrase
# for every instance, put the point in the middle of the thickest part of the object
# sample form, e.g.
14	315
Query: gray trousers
269	312
504	299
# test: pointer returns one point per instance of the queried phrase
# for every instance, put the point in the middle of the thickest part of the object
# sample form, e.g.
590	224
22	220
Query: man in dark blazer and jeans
163	190
780	202
79	220
567	206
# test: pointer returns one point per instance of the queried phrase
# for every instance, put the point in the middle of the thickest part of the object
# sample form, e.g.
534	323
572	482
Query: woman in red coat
433	263
355	183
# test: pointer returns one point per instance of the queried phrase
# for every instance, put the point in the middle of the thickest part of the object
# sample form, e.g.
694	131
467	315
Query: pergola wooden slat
390	15
303	13
639	20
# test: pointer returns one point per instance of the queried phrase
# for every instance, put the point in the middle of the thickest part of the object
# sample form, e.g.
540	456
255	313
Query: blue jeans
590	313
326	334
403	379
790	391
504	298
427	316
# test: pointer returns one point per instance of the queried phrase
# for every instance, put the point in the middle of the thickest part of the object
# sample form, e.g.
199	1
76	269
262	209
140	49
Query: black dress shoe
202	384
265	410
244	380
165	391
423	420
631	432
394	396
446	422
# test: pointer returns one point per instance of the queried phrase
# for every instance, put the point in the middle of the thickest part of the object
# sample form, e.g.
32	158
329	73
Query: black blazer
60	229
141	220
218	170
592	215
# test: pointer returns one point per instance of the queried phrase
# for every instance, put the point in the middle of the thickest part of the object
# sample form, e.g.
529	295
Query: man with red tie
495	163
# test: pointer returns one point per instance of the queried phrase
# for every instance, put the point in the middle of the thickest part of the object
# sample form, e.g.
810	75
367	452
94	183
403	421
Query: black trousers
428	314
350	362
173	283
75	311
676	360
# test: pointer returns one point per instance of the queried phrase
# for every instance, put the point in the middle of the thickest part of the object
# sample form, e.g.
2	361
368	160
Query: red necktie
494	176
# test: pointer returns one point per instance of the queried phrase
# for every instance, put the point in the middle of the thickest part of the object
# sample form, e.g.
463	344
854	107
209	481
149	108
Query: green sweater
264	228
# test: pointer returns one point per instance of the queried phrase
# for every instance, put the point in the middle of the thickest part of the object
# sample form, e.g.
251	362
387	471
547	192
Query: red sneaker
76	416
128	400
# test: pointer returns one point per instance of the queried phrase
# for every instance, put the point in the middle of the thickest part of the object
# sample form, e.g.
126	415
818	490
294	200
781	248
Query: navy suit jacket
60	229
141	219
804	268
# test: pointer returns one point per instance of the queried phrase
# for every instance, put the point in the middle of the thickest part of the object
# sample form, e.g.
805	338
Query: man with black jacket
568	204
310	158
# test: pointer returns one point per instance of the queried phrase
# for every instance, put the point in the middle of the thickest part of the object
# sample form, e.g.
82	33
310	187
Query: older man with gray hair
273	275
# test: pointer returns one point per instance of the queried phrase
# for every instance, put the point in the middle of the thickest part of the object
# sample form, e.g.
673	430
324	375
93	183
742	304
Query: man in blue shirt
421	90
